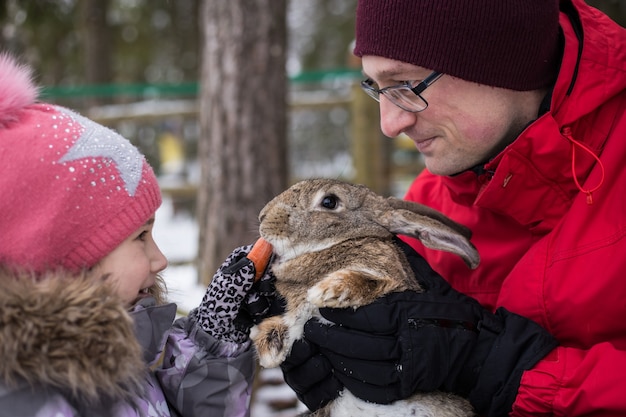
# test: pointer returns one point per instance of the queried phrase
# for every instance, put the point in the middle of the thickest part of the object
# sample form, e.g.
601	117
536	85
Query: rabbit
333	247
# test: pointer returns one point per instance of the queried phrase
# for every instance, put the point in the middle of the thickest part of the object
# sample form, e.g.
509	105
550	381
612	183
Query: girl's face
133	265
465	123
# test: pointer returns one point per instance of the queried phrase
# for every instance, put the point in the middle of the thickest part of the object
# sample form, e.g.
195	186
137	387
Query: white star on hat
101	142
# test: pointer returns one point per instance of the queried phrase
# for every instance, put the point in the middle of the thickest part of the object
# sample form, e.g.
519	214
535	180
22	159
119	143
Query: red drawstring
567	134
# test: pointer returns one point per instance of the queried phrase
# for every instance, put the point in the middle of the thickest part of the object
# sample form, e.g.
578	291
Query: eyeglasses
405	96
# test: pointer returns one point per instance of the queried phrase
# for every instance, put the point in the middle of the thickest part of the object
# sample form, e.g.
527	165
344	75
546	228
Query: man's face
465	123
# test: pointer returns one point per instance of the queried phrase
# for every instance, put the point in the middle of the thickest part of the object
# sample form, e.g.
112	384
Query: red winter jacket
549	221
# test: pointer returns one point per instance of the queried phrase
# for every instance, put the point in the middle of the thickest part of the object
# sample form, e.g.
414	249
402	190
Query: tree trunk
243	116
97	43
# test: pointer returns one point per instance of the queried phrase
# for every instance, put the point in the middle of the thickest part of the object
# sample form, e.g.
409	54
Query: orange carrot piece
260	255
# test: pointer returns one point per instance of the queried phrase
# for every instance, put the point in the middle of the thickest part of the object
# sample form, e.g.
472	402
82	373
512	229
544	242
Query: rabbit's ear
431	227
417	208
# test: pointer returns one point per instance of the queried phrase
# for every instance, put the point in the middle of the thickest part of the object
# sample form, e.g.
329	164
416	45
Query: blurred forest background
137	65
81	42
77	42
231	101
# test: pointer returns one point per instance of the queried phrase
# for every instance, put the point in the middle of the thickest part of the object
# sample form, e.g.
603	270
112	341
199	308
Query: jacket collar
152	323
70	333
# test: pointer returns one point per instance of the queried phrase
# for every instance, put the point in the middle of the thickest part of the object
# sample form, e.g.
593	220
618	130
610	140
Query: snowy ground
176	235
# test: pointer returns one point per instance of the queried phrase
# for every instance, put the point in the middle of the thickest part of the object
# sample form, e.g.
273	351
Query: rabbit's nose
261	217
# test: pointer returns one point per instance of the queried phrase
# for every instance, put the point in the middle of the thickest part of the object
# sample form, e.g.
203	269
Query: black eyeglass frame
367	86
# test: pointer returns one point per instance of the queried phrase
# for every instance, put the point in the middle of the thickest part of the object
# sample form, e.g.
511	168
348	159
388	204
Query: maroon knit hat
511	44
71	190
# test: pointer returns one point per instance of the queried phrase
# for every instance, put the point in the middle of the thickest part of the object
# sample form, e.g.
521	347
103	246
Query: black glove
406	342
310	374
260	303
233	302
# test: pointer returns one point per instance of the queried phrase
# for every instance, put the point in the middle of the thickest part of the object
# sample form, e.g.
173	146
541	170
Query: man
518	108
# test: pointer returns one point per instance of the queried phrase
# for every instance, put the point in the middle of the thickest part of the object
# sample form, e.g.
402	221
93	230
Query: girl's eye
143	235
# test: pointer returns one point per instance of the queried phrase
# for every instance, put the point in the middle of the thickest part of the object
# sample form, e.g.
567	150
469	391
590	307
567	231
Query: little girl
84	328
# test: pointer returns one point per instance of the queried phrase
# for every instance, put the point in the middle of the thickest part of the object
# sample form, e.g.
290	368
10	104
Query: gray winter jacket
69	348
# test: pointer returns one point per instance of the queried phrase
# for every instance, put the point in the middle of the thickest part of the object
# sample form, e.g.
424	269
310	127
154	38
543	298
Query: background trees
243	116
236	51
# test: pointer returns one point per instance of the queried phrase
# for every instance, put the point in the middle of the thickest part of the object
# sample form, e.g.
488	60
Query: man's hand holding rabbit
406	342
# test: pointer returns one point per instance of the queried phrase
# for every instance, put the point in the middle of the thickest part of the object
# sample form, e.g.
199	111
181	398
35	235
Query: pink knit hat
512	44
71	190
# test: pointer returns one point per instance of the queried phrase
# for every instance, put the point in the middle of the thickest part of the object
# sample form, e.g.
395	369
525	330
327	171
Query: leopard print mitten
224	296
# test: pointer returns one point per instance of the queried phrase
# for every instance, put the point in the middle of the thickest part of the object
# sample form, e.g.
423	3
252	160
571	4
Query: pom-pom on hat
513	44
71	190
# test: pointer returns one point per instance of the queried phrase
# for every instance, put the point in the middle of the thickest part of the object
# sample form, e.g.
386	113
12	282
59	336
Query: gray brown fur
44	323
344	256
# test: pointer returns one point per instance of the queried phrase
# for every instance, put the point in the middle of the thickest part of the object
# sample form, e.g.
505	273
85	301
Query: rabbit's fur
333	247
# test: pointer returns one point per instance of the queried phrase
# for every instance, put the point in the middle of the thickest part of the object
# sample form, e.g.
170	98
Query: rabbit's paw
339	290
269	338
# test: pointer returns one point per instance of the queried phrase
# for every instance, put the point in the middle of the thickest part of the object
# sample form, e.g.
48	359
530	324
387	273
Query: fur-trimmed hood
69	333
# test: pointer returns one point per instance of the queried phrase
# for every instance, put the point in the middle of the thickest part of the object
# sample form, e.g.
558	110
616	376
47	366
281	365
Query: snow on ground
177	237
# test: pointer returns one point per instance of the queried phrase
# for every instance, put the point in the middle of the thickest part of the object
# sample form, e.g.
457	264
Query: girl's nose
158	261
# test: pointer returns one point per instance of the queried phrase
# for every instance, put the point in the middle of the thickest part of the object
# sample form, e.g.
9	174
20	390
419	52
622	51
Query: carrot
260	256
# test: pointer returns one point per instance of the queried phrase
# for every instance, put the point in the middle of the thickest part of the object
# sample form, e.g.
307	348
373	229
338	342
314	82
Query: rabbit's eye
329	201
